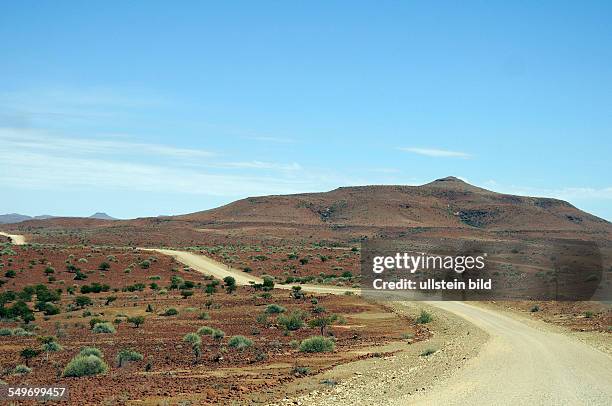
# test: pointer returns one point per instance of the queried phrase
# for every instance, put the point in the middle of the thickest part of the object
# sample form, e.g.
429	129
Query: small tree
268	283
104	266
137	321
196	345
323	321
27	354
296	292
230	284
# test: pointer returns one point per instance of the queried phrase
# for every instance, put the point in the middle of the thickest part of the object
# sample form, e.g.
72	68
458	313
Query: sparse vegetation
317	344
239	342
128	355
85	365
424	318
104	328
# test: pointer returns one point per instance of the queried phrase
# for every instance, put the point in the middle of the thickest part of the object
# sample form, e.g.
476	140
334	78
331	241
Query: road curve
521	364
15	238
209	266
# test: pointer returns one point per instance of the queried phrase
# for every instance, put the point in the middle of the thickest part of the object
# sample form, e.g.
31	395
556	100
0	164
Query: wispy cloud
20	138
436	153
37	159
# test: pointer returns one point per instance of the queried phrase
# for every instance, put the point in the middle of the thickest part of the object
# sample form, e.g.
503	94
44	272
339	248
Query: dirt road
209	266
519	364
522	364
15	238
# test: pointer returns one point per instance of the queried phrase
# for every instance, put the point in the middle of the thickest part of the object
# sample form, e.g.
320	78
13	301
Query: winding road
520	363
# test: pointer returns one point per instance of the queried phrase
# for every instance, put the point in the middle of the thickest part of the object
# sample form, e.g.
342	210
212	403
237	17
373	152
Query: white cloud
42	160
436	153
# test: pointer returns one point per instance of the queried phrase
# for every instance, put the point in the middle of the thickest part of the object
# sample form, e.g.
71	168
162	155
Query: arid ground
160	288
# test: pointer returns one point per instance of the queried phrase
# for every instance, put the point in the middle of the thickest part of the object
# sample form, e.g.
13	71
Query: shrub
206	331
104	328
424	318
186	293
85	365
104	266
204	316
274	309
94	321
21	370
136	320
218	334
128	355
317	344
428	352
293	321
82	301
145	264
534	309
85	351
5	332
18	331
170	312
50	309
322	322
196	344
268	283
300	371
239	342
589	314
10	274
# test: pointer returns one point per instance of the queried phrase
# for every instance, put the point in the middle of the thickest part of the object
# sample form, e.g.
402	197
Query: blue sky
148	108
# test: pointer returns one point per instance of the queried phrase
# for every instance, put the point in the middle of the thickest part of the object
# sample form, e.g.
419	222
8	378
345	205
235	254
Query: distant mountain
14	218
101	216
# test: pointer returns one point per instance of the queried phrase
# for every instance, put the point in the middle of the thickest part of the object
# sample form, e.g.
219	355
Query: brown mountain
447	202
444	208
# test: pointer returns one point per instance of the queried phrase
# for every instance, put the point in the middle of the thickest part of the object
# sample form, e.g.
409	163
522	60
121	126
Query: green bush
128	355
274	308
206	331
293	321
18	331
424	318
428	352
85	365
170	312
5	332
218	334
104	328
136	320
317	344
85	351
21	370
204	316
239	342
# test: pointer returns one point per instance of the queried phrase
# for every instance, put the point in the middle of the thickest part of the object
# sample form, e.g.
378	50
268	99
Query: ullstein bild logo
405	270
